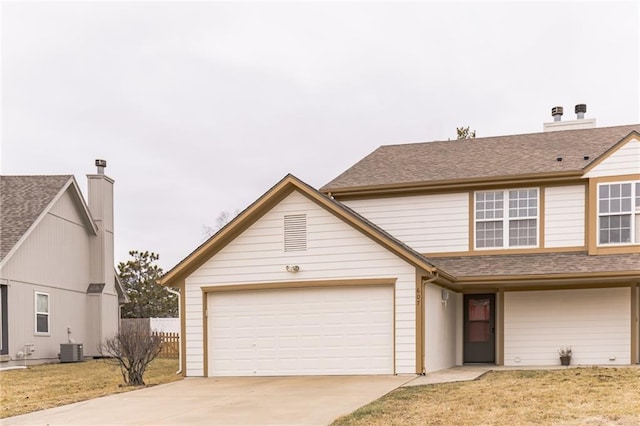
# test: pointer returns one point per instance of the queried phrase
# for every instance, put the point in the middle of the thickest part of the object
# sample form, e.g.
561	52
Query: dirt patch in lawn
51	385
576	396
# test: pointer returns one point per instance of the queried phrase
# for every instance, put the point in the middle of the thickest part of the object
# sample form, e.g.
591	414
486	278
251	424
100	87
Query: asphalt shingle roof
22	200
481	158
536	264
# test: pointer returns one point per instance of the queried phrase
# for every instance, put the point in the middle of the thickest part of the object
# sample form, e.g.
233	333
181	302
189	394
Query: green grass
50	385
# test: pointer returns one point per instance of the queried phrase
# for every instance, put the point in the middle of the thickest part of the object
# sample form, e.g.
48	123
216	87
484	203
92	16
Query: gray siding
54	259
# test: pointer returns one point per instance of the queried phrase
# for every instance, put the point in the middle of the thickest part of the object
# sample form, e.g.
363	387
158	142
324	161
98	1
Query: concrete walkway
454	374
472	372
310	400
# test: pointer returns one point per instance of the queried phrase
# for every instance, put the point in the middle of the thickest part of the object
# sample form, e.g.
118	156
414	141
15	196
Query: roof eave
85	208
608	152
582	279
78	195
252	213
469	183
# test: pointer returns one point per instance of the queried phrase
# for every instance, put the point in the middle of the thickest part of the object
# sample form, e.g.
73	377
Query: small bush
134	349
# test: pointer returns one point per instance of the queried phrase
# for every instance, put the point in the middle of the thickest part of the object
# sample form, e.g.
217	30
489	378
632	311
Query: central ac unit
71	352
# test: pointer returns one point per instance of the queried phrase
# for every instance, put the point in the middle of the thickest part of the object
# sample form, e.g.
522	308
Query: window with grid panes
619	213
506	218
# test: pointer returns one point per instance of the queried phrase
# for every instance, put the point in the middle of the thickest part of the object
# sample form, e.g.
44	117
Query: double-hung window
506	218
619	213
42	313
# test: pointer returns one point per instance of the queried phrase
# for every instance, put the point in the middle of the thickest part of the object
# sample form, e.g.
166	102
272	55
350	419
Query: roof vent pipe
580	110
557	112
101	164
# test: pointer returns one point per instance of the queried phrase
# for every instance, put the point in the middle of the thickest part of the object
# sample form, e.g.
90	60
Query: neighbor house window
506	218
619	213
42	313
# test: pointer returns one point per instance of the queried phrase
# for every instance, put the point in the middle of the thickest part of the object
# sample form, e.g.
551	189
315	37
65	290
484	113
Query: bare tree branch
134	348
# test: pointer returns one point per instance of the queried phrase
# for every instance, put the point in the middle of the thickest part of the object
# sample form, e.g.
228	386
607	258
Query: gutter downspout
432	279
424	282
177	293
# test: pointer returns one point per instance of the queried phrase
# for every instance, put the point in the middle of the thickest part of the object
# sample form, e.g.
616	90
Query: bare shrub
134	348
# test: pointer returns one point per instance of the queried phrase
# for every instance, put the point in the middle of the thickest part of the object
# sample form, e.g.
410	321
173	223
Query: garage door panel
336	330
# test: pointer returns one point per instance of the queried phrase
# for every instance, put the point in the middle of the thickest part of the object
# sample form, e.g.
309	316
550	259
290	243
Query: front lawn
50	385
575	396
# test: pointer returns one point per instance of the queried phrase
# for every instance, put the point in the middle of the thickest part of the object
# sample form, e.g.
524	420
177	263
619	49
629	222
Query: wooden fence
170	341
135	324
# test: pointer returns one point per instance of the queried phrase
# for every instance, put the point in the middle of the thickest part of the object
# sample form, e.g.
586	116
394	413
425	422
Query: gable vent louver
295	232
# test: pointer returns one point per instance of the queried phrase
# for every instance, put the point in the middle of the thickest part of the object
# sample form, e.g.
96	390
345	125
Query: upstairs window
42	313
619	213
506	218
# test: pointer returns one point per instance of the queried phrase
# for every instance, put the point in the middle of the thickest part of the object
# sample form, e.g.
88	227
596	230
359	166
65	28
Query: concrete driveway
225	401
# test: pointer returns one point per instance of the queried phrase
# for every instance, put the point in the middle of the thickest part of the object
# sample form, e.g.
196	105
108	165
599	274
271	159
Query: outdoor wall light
444	296
292	268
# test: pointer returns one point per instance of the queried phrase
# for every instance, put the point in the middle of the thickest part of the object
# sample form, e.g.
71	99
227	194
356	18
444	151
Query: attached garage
337	330
298	284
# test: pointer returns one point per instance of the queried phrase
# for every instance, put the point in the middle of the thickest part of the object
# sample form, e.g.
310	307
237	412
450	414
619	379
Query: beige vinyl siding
596	323
427	223
624	161
439	329
564	216
334	251
637	302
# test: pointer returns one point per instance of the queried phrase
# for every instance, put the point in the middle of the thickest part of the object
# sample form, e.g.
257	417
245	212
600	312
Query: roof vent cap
580	110
101	164
556	113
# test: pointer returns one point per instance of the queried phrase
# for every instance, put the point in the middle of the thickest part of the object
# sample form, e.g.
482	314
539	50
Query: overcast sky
201	107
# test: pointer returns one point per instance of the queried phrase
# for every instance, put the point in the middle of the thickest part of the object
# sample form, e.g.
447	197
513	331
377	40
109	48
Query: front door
479	328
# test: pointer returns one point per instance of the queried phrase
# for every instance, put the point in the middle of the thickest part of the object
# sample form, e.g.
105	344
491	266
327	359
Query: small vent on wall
295	232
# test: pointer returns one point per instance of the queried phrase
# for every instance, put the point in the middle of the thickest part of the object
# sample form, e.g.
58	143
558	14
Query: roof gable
481	159
621	159
264	204
25	200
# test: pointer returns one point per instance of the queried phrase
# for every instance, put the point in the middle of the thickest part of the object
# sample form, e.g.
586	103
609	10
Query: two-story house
424	256
57	280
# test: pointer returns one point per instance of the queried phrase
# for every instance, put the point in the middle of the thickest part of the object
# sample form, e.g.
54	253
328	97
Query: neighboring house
57	281
424	256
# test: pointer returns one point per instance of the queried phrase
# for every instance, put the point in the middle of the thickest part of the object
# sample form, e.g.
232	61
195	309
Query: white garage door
311	331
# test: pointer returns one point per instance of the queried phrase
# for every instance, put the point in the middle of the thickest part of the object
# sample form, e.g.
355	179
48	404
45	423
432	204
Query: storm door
479	328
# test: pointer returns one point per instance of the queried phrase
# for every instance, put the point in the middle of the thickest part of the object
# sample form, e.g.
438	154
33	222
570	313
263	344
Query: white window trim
505	219
35	316
635	211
